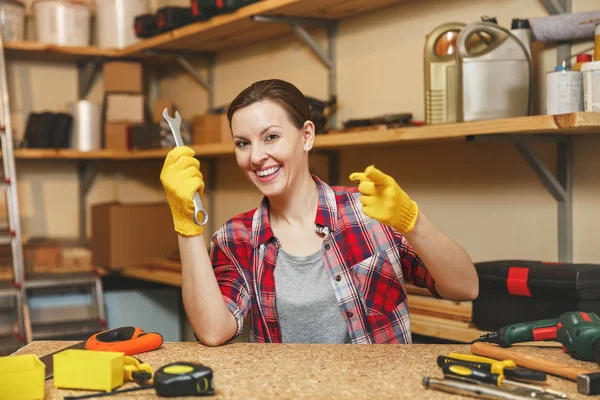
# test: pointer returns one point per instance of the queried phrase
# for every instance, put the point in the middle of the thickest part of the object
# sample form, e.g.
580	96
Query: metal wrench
174	124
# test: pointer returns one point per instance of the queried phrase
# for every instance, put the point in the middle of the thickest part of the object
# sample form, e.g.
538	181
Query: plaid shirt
368	264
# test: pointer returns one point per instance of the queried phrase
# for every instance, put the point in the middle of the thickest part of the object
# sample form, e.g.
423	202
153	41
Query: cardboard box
116	136
123	76
124	107
125	235
211	128
158	108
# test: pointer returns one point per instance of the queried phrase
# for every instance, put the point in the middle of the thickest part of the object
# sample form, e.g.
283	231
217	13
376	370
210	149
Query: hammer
588	381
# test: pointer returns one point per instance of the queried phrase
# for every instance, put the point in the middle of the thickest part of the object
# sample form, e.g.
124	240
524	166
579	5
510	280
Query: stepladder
14	291
17	293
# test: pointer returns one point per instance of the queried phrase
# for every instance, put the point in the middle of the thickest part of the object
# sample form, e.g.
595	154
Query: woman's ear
308	135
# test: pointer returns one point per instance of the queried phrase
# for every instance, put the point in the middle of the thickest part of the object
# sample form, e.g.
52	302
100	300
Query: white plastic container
115	22
86	131
12	20
564	91
591	85
62	22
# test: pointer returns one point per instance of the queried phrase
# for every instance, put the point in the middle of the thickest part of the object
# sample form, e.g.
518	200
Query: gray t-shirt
307	308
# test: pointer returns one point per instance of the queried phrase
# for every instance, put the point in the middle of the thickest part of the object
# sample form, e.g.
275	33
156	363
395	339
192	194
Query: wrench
174	124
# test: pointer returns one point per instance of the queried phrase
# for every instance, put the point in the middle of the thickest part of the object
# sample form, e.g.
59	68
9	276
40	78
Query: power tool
577	331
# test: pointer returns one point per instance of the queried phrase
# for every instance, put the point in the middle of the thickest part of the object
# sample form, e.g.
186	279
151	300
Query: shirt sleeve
413	267
231	279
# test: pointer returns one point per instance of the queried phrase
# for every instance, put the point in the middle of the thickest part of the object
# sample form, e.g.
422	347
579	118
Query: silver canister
564	91
86	134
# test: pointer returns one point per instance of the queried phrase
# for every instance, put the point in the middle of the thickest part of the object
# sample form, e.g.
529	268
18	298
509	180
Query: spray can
564	91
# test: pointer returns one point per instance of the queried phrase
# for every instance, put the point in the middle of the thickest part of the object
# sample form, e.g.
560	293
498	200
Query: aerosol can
494	71
440	73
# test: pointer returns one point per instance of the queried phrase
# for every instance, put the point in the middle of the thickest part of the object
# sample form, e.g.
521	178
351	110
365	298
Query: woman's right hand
181	178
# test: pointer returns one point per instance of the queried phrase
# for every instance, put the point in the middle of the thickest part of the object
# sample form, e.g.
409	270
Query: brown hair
284	93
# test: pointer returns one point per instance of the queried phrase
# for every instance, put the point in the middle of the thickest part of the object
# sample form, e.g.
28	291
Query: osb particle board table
288	371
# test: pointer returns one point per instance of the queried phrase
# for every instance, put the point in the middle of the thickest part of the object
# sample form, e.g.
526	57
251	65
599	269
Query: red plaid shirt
368	264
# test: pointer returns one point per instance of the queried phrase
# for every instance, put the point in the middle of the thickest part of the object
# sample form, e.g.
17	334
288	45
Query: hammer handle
529	361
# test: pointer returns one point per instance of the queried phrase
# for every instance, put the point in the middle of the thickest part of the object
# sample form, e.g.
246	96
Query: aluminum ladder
16	290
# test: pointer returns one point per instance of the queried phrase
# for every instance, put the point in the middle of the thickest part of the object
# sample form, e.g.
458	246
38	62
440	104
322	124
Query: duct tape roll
564	27
87	126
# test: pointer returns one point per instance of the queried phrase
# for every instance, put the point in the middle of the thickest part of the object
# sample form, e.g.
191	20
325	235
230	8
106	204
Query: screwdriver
507	368
463	371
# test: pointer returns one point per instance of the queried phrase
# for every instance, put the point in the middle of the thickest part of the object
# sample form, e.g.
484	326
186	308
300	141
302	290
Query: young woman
312	263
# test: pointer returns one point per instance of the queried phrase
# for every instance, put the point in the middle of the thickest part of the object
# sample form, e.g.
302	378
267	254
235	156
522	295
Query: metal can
564	91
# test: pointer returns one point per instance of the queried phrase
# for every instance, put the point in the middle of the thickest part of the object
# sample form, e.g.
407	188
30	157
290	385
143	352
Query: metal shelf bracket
560	185
86	172
206	82
87	71
327	57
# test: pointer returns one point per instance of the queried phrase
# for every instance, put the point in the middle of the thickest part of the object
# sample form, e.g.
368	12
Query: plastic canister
564	93
86	131
62	22
591	86
115	20
12	20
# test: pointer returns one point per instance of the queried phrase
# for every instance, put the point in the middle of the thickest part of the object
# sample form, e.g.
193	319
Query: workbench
295	371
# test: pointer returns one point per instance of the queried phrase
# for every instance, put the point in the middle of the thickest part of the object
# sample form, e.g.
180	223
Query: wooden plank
45	52
412	289
443	328
579	123
237	28
167	277
455	310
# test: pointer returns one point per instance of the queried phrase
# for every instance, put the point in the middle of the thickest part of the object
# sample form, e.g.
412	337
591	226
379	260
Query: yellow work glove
384	200
181	177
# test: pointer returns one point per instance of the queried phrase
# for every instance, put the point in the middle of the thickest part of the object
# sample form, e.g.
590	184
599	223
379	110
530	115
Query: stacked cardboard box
123	101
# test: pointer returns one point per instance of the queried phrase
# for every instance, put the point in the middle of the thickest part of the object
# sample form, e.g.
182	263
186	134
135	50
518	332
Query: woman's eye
272	136
241	143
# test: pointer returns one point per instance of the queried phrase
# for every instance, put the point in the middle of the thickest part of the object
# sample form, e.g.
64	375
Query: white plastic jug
494	73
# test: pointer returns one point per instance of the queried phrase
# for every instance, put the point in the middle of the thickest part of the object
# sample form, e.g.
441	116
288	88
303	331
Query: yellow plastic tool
22	377
88	370
135	370
496	366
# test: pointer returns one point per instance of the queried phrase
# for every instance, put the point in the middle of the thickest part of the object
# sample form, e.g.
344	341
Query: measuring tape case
512	291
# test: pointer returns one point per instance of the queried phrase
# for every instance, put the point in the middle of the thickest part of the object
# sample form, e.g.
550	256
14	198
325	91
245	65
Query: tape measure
184	379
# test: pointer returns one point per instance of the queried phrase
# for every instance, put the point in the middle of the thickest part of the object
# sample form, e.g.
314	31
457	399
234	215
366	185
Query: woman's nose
258	154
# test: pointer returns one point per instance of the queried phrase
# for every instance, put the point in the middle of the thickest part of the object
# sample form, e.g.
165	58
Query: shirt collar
326	216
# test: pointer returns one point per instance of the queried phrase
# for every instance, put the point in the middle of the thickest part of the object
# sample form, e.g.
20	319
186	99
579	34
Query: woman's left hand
384	200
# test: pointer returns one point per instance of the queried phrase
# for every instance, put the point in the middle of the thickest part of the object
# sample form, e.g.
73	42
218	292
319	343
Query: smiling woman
312	263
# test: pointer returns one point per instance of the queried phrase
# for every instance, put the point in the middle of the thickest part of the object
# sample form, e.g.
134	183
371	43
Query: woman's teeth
267	172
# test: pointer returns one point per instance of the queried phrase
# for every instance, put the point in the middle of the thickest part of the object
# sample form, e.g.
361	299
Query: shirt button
349	314
327	246
338	278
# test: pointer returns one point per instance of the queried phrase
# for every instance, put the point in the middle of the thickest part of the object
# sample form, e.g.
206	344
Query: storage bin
12	20
512	291
22	377
115	22
62	22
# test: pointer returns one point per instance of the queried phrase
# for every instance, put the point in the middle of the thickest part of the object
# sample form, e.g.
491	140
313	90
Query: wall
482	195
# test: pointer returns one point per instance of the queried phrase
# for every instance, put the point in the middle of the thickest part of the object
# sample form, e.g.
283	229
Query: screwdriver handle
463	371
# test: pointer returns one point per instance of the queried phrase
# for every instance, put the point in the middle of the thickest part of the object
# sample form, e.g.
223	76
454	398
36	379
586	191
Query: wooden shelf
580	123
45	52
218	33
237	29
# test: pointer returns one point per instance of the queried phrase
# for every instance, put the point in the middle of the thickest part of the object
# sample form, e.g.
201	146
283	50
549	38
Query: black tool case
208	8
512	291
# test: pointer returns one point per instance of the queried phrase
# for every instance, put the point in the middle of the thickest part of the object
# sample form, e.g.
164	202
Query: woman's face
269	149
